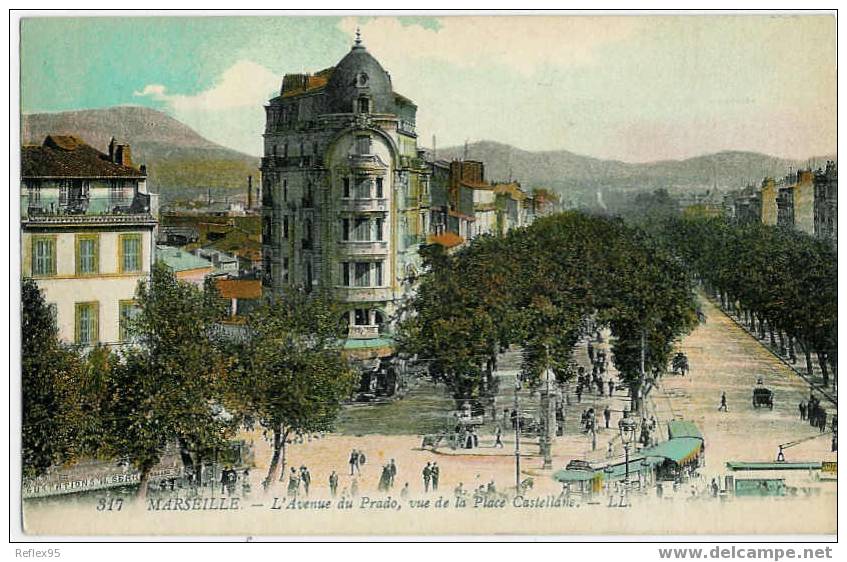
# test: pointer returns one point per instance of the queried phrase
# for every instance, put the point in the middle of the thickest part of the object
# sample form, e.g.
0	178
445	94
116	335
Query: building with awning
684	448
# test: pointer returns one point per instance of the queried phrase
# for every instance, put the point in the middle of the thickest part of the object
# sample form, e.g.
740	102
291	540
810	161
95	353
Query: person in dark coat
392	473
436	472
333	483
611	387
354	461
607	415
427	476
802	408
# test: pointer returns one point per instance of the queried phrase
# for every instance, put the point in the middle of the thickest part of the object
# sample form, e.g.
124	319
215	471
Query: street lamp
627	427
608	472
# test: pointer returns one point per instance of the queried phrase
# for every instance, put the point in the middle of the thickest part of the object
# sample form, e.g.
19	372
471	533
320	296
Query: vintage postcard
426	275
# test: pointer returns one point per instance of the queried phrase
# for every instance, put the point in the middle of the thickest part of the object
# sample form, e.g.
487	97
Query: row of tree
538	288
185	381
781	281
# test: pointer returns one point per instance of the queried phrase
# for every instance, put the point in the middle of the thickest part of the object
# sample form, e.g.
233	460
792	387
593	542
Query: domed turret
359	84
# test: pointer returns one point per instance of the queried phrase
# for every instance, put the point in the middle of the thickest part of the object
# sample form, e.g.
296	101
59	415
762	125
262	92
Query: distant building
242	294
826	202
803	200
511	209
185	265
88	227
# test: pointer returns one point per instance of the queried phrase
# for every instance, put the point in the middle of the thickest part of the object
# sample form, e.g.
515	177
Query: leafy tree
290	375
167	387
47	368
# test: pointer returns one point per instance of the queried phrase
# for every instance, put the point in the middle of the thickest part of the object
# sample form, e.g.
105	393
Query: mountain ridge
183	164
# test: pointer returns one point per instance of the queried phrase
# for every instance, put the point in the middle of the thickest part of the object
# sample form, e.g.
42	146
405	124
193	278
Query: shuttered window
87	254
130	253
87	329
44	256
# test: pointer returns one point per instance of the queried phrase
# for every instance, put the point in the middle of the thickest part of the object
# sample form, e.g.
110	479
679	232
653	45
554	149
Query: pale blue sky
632	88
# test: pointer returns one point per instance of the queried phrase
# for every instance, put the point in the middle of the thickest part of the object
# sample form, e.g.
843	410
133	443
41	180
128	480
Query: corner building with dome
345	194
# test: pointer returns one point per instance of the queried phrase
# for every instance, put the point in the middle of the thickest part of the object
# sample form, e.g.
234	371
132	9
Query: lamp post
627	427
608	472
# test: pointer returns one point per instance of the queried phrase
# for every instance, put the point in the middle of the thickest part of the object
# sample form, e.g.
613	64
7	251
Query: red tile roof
239	288
70	157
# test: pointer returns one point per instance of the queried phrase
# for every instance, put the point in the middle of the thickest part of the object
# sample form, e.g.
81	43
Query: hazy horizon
631	88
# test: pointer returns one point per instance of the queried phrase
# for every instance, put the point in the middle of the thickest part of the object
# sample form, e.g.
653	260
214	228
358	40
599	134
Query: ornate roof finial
358	36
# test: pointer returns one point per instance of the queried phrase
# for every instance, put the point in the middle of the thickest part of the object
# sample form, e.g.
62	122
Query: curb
823	391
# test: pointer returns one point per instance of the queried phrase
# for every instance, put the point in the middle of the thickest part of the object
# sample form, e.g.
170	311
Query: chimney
123	155
112	149
249	192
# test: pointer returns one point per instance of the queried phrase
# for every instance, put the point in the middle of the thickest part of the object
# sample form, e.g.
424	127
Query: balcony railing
368	204
365	161
47	206
367	247
363	332
363	294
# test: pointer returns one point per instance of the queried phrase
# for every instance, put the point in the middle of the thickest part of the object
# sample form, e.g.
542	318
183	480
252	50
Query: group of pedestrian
229	481
386	479
588	421
357	459
815	414
296	479
431	473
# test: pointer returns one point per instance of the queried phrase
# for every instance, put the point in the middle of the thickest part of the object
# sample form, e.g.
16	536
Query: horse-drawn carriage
762	397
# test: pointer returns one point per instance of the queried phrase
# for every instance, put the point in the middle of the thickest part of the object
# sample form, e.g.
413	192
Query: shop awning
682	428
679	450
810	465
566	475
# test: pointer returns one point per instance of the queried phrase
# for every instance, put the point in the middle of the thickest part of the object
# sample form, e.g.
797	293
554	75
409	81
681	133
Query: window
345	274
378	226
87	254
379	192
363	274
285	150
285	270
285	226
285	190
54	313
44	256
361	317
129	247
363	188
364	105
345	229
363	145
362	230
127	311
86	330
378	274
345	187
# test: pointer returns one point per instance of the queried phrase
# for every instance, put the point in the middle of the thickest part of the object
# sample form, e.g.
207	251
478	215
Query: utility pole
517	436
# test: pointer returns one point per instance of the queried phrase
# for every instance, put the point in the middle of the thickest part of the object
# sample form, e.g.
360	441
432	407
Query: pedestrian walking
607	415
333	483
723	402
498	442
404	492
590	352
427	476
354	462
392	472
245	483
306	479
436	472
354	488
384	479
802	408
293	483
610	451
579	393
823	421
611	387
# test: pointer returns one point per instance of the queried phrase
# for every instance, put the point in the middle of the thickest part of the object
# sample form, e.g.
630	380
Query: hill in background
184	165
180	162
